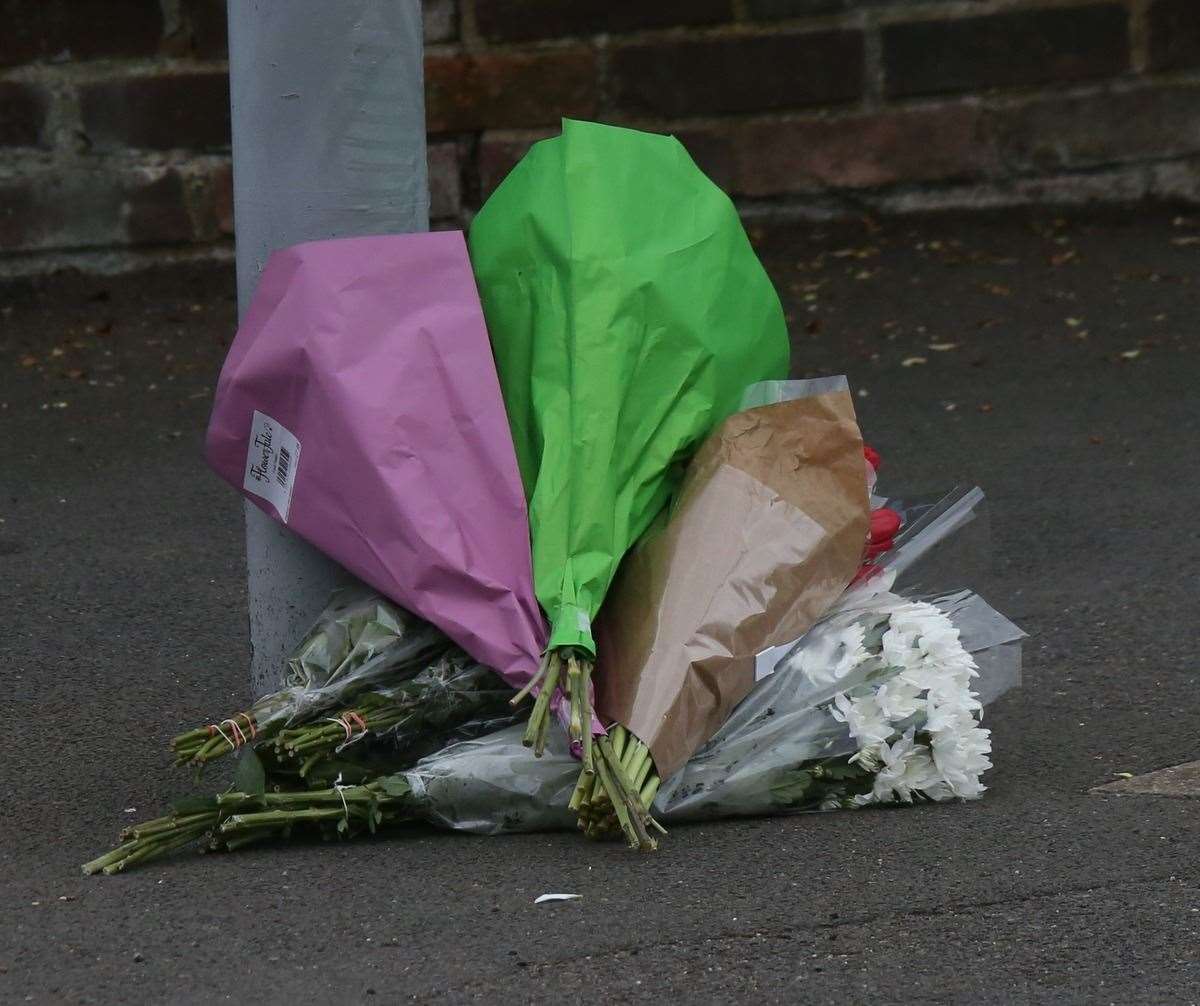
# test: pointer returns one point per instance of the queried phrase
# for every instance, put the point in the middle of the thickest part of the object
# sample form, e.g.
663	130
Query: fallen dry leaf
1074	322
943	347
1191	239
985	406
1131	354
913	361
29	360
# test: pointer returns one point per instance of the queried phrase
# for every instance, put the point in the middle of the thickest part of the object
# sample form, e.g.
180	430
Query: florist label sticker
272	458
766	661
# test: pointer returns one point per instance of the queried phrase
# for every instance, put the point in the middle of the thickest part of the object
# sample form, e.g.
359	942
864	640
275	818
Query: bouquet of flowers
627	313
694	608
360	641
880	702
770	635
359	406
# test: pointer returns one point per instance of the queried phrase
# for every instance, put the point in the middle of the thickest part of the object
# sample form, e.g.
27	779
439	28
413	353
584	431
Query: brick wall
114	114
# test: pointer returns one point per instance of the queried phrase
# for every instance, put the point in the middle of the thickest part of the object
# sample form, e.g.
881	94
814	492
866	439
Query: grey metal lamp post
328	141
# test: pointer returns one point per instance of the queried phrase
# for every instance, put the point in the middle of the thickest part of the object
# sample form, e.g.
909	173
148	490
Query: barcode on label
283	467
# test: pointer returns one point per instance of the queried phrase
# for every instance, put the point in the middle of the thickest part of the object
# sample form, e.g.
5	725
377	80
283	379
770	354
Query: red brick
208	195
1174	34
22	114
222	197
771	10
445	183
80	207
1056	134
77	29
862	151
159	112
1006	49
521	20
738	73
714	153
498	155
156	212
439	19
466	91
205	23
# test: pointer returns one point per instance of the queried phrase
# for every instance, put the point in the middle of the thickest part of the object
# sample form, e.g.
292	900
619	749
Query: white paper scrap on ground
555	897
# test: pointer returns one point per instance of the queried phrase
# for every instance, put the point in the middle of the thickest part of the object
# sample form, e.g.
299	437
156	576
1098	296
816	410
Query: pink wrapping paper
381	435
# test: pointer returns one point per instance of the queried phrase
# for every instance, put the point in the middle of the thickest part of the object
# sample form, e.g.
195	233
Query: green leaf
250	776
843	772
394	785
873	639
792	788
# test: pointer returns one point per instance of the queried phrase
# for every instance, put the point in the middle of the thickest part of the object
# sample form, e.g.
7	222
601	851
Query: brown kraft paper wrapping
768	529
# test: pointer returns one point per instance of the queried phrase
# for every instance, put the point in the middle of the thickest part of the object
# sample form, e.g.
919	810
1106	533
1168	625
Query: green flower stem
140	849
617	798
165	825
630	811
543	666
585	702
115	856
574	690
535	730
278	818
159	845
249	837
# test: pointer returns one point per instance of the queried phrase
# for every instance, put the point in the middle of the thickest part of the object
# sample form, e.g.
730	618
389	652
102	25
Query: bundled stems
615	798
577	682
313	743
205	744
233	820
539	719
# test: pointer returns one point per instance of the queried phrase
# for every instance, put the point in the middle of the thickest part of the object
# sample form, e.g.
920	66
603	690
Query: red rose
885	522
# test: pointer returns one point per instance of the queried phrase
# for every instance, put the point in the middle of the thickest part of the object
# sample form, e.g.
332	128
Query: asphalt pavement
1053	360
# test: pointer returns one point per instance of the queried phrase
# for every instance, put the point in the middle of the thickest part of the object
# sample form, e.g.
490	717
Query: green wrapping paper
627	313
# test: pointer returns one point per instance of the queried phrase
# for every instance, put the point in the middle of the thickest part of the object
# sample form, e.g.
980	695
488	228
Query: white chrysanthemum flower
960	749
907	769
933	684
832	655
863	716
899	648
898	699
